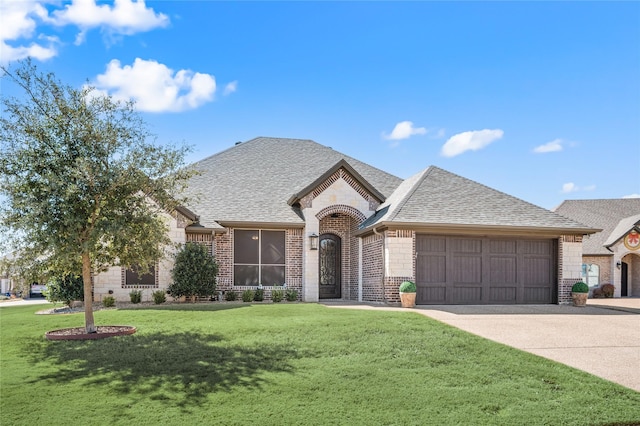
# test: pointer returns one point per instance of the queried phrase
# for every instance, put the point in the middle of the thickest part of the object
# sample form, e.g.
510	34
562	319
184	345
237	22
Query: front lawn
286	364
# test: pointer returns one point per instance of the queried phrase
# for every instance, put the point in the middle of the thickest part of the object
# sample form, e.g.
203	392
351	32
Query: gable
340	176
437	198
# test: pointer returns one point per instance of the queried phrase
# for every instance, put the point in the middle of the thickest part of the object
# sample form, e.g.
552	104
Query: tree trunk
89	326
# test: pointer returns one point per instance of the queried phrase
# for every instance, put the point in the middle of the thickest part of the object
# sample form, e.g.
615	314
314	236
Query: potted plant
408	294
579	293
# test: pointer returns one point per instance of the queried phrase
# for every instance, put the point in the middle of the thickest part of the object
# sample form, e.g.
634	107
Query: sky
540	100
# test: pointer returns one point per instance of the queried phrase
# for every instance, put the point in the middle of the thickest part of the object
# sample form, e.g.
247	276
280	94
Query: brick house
288	211
612	255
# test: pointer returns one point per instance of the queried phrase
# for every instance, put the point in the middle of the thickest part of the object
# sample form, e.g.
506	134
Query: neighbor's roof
436	197
252	181
605	214
624	226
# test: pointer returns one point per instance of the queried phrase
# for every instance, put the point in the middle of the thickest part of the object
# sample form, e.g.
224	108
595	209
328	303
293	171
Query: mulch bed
78	333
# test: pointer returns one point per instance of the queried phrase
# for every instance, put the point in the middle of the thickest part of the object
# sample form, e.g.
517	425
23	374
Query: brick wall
345	226
604	266
293	262
111	281
569	265
372	268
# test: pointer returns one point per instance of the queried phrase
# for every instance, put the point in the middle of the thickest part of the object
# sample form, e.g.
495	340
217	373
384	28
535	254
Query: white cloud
631	196
404	130
470	141
572	187
230	88
126	17
553	146
155	87
19	21
20	36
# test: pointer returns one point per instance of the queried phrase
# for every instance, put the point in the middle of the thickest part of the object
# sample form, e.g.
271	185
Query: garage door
458	270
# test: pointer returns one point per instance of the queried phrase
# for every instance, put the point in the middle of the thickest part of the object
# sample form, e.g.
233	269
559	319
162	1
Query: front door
329	267
624	280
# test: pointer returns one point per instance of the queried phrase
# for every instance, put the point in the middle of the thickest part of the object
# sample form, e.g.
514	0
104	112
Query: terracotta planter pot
579	299
408	300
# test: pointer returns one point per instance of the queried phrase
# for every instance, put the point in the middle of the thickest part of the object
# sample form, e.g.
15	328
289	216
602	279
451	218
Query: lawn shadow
177	369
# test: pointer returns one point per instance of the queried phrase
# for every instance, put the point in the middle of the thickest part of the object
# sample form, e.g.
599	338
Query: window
132	277
258	257
591	274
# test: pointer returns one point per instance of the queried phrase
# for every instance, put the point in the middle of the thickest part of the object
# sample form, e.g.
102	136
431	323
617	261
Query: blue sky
540	100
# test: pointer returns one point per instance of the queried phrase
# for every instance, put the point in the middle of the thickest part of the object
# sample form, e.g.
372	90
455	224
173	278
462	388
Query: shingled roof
436	197
252	181
605	214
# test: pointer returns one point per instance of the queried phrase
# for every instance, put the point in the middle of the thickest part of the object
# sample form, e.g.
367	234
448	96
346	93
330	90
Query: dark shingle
436	196
252	181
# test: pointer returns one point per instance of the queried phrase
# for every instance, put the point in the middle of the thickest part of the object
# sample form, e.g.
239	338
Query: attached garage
485	270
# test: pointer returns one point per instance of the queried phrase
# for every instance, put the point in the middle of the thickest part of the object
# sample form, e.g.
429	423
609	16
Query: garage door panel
502	294
459	270
431	269
431	244
537	294
467	269
502	270
536	271
467	294
434	294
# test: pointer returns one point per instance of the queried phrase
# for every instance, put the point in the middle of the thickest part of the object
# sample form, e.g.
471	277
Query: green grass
298	364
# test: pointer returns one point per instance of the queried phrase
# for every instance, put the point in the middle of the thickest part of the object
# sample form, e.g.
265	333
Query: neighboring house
611	256
294	212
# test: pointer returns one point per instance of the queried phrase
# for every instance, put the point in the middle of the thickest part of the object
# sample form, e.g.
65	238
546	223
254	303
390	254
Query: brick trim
341	208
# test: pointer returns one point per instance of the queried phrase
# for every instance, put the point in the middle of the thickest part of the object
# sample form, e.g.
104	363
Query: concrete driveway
602	338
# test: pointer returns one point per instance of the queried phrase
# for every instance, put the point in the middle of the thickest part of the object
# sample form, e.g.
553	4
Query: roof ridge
414	187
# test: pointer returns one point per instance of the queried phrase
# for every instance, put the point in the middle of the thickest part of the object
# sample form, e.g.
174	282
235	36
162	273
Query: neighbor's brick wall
604	265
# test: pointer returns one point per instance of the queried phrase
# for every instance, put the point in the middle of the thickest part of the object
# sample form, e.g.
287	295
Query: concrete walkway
602	338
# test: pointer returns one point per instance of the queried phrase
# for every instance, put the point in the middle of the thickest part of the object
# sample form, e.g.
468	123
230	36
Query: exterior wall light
313	241
619	264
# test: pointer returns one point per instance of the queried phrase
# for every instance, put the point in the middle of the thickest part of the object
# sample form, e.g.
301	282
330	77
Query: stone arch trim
341	208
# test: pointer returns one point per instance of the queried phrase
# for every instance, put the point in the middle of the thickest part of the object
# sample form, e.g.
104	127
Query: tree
65	289
194	272
84	186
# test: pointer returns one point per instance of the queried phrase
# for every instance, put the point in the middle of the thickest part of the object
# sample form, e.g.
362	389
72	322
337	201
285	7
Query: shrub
407	287
580	287
258	295
108	301
247	295
230	296
277	294
607	290
159	297
194	272
135	296
65	289
291	295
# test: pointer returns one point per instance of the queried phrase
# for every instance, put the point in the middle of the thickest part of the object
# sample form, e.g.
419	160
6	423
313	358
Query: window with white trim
591	274
258	257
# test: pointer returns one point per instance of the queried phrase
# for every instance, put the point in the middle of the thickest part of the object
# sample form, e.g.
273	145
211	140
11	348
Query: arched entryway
329	266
